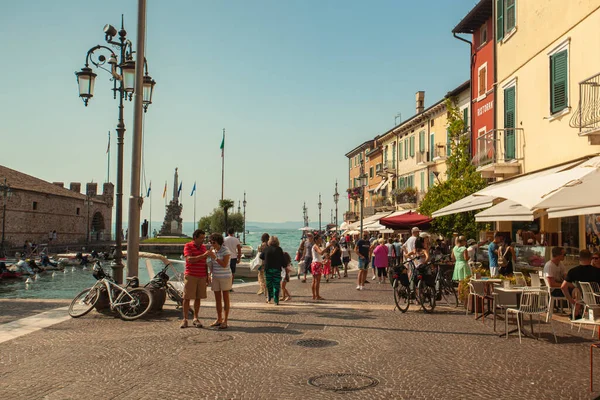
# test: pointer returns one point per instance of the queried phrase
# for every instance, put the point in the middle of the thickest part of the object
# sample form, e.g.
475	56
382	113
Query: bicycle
161	281
420	286
444	287
131	301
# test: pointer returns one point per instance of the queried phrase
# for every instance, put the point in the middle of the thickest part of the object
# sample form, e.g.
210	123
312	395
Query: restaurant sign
485	108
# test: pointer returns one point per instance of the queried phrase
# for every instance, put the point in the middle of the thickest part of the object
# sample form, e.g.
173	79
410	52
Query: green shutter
559	96
509	122
412	146
511	15
401	183
406	149
431	179
399	150
466	119
431	147
499	20
394	156
422	181
422	141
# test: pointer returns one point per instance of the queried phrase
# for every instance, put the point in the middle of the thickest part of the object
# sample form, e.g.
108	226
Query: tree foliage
462	179
215	221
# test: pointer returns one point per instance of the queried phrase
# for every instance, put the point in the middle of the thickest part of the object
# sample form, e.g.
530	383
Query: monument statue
173	223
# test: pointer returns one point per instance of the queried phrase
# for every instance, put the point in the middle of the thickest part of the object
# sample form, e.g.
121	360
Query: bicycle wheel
138	305
426	296
174	295
83	302
401	296
449	294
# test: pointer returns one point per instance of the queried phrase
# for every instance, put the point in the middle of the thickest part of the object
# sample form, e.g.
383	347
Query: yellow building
548	71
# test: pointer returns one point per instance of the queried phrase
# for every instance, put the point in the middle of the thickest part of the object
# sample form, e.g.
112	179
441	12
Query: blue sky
296	84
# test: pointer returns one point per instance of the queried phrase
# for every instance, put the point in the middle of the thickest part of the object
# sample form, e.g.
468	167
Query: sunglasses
595	258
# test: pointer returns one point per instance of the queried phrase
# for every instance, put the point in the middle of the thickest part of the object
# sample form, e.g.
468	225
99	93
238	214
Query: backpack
502	261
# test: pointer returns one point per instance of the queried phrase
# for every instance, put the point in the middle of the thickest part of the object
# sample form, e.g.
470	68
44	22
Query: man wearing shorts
235	249
195	276
363	250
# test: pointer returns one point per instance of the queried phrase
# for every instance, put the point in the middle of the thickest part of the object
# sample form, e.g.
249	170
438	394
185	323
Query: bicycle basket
98	272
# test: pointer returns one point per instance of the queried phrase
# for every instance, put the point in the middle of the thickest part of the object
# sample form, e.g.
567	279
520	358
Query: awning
497	192
571	212
368	220
344	226
383	182
406	221
507	211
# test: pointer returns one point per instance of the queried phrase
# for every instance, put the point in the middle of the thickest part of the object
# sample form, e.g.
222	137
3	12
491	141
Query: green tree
215	222
462	179
225	205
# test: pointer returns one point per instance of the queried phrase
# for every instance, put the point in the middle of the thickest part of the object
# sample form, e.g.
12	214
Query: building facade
35	208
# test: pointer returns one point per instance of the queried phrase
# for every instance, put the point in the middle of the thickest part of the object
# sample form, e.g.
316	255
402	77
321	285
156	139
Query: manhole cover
343	382
316	343
209	339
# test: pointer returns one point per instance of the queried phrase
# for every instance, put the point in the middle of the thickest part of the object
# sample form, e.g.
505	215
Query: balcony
350	216
500	153
587	116
424	158
440	152
388	167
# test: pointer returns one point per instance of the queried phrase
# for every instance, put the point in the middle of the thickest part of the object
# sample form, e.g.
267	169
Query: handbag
502	259
256	262
297	258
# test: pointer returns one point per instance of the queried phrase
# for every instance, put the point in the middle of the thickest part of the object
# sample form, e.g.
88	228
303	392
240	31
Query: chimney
59	184
91	189
75	187
420	100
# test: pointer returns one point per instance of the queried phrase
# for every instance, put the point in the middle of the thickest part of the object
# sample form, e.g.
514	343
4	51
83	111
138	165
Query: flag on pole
223	144
165	191
193	189
149	189
108	147
179	190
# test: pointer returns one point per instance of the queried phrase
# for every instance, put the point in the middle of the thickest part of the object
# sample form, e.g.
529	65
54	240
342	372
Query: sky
296	84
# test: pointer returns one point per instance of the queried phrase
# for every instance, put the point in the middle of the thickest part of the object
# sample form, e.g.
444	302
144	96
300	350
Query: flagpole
195	223
223	166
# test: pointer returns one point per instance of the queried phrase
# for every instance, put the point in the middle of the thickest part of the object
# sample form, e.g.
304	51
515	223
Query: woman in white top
345	258
317	266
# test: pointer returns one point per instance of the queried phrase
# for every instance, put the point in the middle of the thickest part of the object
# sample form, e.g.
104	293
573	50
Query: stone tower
173	223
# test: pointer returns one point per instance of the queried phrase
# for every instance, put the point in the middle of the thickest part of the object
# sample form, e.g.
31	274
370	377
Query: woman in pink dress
381	259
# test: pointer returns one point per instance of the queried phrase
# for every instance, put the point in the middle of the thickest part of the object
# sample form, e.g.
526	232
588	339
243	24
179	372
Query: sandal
223	325
197	323
216	323
184	324
320	298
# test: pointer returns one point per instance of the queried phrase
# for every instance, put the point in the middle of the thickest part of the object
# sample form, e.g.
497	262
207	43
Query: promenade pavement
370	352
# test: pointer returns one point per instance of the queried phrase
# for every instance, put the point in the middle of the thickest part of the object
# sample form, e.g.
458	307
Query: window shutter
499	20
482	88
465	119
509	107
401	183
431	147
412	146
399	150
394	156
511	15
431	179
558	81
422	141
422	181
406	149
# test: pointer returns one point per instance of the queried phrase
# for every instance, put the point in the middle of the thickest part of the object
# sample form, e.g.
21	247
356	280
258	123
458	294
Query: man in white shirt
408	247
235	249
555	271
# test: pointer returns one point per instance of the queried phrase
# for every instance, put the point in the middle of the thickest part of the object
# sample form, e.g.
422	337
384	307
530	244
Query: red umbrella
407	221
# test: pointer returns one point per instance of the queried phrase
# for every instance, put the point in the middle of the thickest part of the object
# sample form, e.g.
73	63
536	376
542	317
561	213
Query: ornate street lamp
320	205
122	70
244	204
6	193
363	184
336	198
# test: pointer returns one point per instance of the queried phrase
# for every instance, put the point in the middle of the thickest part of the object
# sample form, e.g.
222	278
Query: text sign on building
485	108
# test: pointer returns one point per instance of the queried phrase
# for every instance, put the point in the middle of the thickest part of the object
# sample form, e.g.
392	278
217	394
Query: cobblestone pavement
408	356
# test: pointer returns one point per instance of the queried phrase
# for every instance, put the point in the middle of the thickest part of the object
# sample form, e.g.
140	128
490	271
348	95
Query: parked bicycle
161	281
131	301
420	286
444	286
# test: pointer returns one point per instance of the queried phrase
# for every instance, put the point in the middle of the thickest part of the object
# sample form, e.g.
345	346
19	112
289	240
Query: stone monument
173	223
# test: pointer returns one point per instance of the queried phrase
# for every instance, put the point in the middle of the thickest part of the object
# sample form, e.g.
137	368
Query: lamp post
336	198
305	214
239	208
122	70
244	234
363	183
320	205
6	193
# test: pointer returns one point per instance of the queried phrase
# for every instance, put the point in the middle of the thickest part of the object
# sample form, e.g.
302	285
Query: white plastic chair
535	281
533	302
520	279
553	299
589	301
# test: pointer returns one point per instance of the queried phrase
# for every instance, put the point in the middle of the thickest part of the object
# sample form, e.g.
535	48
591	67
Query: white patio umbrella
306	228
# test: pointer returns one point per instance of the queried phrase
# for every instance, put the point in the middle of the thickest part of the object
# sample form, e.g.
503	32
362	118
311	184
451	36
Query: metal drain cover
343	382
209	339
316	343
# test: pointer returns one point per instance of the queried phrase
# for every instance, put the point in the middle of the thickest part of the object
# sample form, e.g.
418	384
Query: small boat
10	275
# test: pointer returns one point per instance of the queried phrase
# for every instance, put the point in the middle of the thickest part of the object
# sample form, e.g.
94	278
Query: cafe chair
554	299
477	293
589	302
535	281
533	302
520	279
502	301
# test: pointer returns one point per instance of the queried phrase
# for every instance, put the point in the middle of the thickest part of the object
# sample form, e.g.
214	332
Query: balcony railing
350	216
587	116
440	152
389	166
499	146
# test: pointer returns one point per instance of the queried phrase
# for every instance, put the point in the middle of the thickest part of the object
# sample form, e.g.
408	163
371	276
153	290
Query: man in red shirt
196	278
